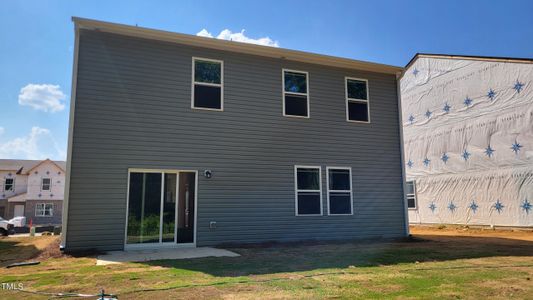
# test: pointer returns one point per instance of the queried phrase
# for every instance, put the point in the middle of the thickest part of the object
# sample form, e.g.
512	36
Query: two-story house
33	189
178	140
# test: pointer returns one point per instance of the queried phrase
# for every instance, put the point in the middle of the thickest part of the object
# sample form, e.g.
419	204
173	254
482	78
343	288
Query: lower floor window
411	194
308	190
44	210
339	191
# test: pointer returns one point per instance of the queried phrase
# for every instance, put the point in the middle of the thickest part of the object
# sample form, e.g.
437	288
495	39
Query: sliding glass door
169	208
144	208
161	207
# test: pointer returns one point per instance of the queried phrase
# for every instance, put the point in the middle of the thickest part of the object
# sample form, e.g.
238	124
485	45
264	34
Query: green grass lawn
437	264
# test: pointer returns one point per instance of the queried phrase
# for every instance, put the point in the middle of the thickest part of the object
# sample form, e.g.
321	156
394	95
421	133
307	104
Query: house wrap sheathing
468	136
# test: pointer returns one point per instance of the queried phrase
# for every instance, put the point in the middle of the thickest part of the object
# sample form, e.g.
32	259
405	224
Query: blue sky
36	44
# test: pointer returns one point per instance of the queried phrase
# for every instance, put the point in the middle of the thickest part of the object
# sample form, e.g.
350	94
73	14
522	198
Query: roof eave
467	57
9	168
292	55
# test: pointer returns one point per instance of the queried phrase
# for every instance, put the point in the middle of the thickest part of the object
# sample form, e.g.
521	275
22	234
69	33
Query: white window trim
296	190
413	195
293	93
43	209
49	184
221	84
367	101
340	191
12	185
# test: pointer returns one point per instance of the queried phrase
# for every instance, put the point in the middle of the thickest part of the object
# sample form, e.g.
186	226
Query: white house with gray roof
33	189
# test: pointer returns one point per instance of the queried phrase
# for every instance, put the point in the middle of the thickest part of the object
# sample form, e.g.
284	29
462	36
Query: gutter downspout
402	152
66	196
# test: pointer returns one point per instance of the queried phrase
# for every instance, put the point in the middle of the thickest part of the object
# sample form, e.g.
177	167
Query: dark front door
186	207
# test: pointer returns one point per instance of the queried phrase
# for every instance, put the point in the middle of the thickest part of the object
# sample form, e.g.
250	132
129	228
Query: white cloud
45	97
204	33
2	130
38	144
226	34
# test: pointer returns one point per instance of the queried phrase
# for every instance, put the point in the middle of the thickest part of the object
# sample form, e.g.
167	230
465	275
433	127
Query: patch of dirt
502	285
386	288
21	249
229	292
131	270
50	250
515	234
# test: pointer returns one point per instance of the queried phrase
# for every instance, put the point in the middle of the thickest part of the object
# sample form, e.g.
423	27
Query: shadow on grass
308	256
13	251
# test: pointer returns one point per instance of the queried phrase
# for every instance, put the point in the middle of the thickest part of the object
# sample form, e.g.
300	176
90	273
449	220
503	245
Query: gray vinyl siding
133	110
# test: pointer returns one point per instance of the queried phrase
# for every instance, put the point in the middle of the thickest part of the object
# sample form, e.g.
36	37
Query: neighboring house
468	133
178	140
33	189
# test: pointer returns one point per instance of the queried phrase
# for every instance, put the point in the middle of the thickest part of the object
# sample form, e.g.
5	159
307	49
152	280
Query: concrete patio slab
117	257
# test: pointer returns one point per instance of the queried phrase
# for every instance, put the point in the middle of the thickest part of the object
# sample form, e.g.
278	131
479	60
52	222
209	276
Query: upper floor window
44	210
357	108
339	191
45	184
208	84
308	190
9	184
295	93
411	194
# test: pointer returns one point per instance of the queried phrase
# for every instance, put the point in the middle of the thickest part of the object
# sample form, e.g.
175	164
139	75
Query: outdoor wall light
208	174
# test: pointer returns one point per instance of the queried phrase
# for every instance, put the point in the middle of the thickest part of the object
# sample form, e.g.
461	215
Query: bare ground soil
446	263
